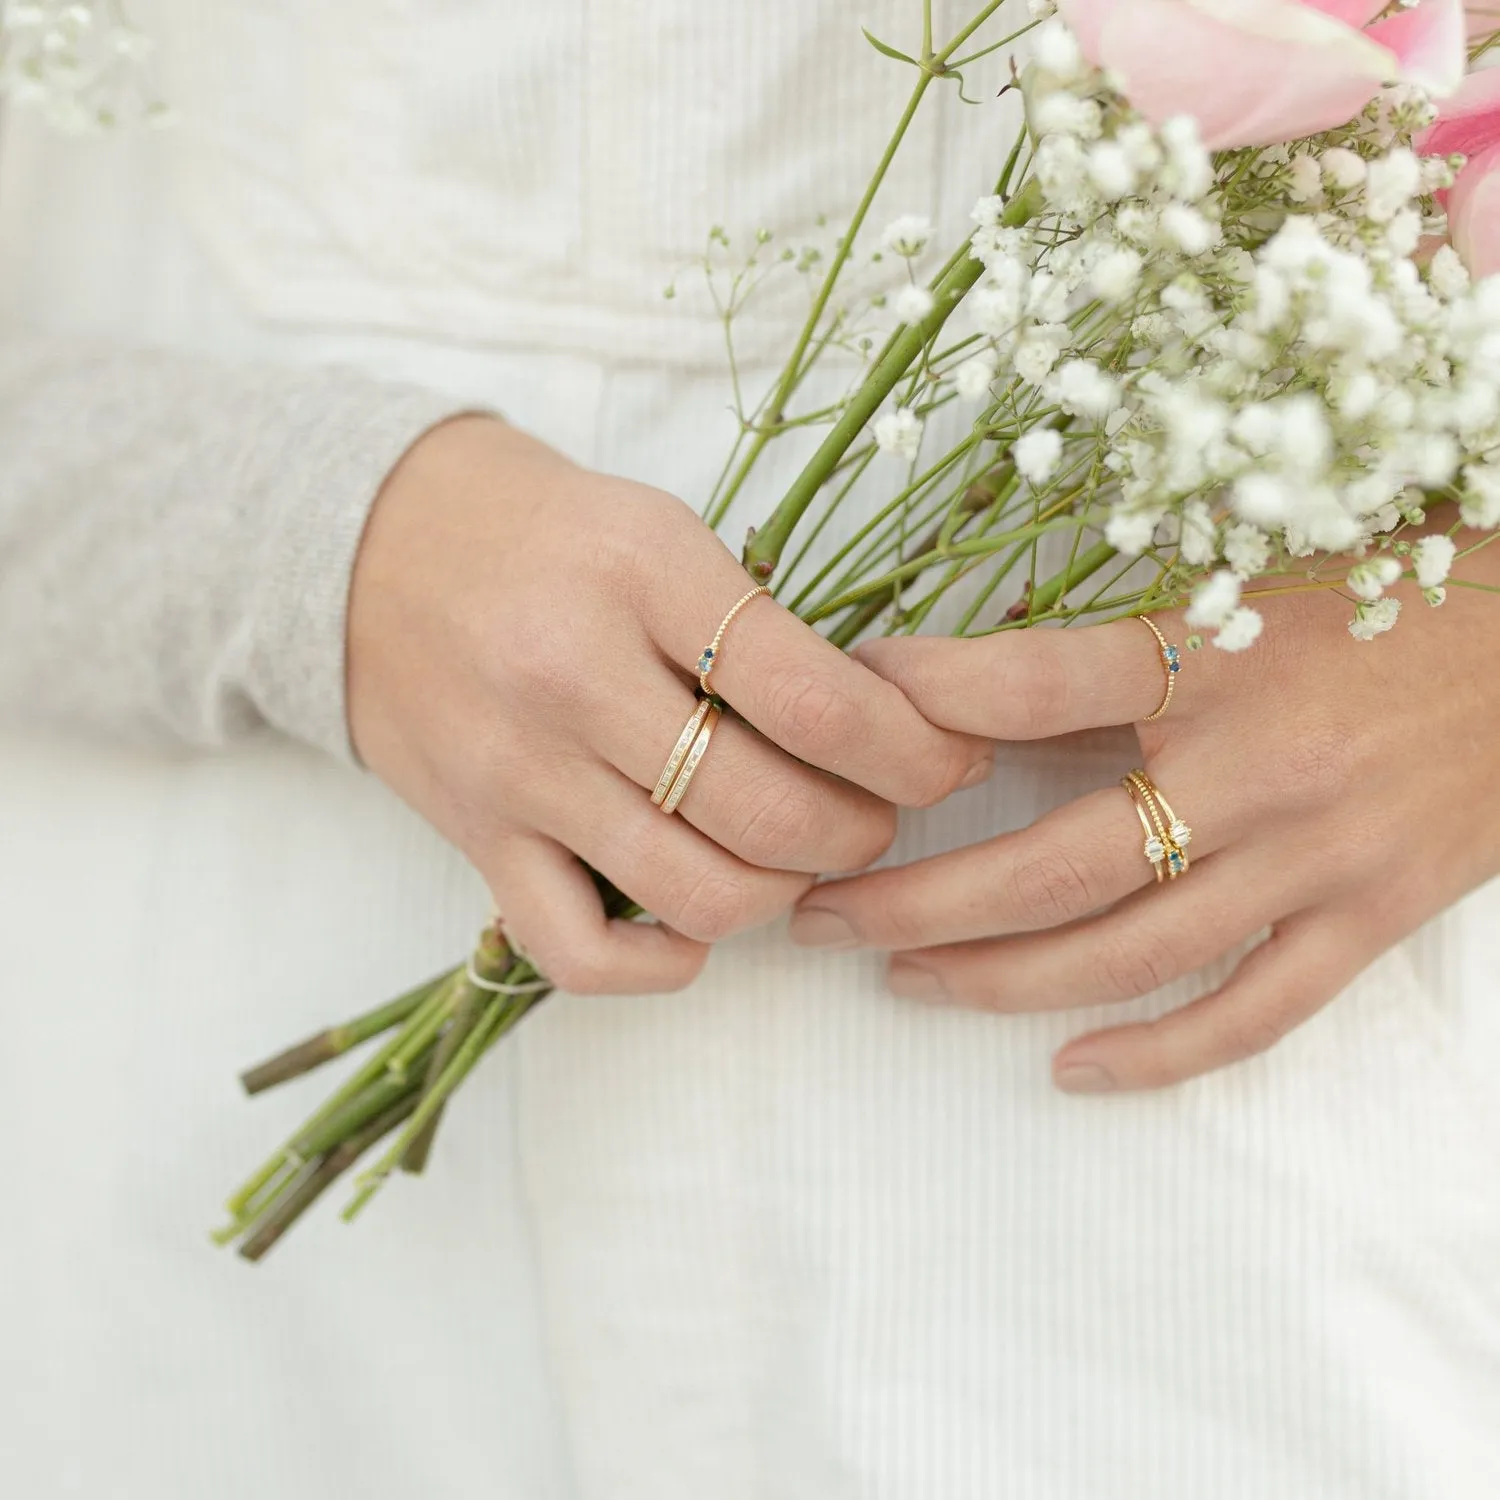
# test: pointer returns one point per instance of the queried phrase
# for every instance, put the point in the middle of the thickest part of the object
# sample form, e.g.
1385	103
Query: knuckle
931	778
711	906
814	716
775	820
1050	886
1133	965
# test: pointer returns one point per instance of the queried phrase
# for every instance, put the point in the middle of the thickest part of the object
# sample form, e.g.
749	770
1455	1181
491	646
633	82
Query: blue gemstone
1175	860
1174	666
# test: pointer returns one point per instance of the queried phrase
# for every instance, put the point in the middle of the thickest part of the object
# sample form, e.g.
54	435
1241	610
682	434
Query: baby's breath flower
1447	272
1187	230
912	303
1130	532
1240	630
1056	52
1247	550
1114	274
1390	184
1342	167
1110	170
1214	600
899	433
974	376
987	211
1037	352
1198	542
1369	580
1432	557
908	235
1036	453
1374	618
1304	178
1082	388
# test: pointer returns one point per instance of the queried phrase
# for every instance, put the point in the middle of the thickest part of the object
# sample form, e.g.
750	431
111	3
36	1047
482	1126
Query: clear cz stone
1155	850
1182	835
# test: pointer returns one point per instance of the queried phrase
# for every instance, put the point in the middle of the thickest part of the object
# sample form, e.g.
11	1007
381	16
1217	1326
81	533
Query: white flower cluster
1245	350
82	64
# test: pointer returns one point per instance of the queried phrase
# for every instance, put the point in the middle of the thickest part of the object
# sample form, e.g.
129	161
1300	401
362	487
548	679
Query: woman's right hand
521	638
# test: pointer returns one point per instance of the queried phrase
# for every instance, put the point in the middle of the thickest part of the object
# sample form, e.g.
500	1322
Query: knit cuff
344	435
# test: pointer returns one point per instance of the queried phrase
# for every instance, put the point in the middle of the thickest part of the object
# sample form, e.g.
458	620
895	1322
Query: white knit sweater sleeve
177	538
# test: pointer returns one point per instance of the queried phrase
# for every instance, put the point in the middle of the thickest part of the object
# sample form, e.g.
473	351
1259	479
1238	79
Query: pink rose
1255	72
1469	122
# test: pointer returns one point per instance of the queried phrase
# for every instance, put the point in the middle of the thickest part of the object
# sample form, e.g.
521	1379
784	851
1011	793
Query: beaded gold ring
1171	661
710	657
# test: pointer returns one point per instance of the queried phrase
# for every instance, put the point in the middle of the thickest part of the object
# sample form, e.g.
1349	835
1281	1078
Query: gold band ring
679	753
1171	662
1167	836
695	755
710	657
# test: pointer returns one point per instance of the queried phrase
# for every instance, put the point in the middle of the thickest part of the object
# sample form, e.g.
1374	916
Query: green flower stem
418	1038
499	1016
763	552
354	1114
243	1201
318	1177
465	1018
336	1040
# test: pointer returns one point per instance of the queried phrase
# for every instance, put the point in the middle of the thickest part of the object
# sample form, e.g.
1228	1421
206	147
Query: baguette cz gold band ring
694	757
679	753
1171	662
1167	836
710	657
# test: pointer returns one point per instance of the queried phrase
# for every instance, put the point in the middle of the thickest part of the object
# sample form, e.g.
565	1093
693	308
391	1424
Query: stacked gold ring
1167	836
687	754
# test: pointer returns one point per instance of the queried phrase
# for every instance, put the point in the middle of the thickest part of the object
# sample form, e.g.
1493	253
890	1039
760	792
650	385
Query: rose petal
1356	13
1474	213
1086	20
1468	120
1429	43
1250	72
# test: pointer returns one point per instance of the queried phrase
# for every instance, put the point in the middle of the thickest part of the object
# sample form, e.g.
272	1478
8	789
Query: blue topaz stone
1175	861
706	660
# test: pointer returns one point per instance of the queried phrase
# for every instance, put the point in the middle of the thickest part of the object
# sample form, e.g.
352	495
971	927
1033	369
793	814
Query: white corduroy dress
781	1237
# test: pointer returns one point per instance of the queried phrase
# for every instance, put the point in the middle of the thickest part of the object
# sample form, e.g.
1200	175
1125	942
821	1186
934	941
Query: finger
1303	965
1148	940
748	796
1073	861
552	909
1033	684
815	702
666	865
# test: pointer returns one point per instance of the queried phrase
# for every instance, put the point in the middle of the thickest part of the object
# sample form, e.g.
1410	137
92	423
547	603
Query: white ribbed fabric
778	1238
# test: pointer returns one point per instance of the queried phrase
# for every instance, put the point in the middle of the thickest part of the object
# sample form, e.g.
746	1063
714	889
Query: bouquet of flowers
1220	321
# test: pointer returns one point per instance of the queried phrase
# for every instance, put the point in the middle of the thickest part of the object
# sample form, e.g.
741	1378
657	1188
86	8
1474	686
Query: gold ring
690	765
1167	836
1171	662
679	753
710	657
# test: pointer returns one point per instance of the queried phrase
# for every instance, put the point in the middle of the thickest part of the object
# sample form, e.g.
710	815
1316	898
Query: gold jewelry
1155	849
679	753
710	657
690	765
1166	848
1171	662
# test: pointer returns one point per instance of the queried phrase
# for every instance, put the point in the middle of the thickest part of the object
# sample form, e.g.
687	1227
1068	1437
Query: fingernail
1084	1078
977	773
913	982
816	927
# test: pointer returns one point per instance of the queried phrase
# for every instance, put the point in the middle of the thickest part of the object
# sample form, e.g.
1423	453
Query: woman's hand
521	638
1339	793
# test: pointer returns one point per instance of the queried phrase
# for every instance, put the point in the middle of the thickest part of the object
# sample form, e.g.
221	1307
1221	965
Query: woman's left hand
1340	793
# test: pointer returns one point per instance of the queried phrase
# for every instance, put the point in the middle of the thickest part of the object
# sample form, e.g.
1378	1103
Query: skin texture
521	638
1340	794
